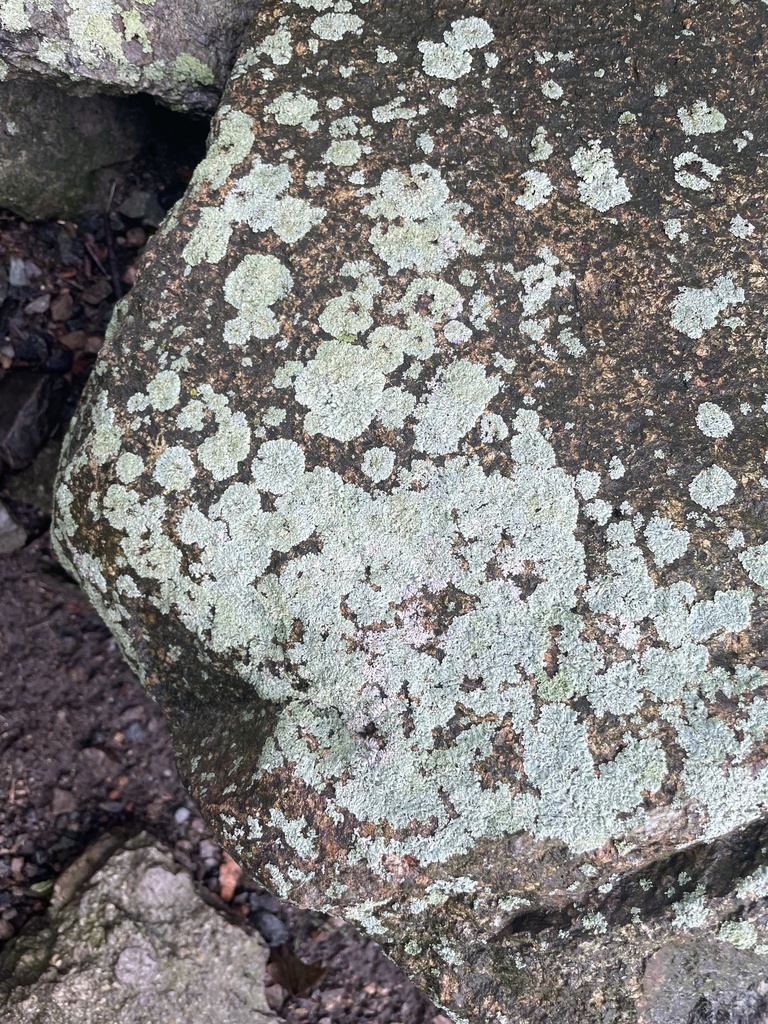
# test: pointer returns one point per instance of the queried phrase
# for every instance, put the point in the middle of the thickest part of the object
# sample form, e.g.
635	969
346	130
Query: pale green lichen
278	466
335	26
552	90
741	228
600	185
257	199
701	119
378	464
294	108
174	469
755	561
278	46
452	408
696	310
163	390
209	240
452	59
667	543
229	147
713	421
692	911
257	283
128	467
13	16
540	148
190	70
427	234
343	153
538	189
342	387
393	111
695	182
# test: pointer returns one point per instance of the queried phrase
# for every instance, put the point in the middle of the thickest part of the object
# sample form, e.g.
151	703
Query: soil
83	750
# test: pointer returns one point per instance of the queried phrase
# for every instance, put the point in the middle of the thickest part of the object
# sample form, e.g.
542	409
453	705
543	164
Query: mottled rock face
180	52
424	483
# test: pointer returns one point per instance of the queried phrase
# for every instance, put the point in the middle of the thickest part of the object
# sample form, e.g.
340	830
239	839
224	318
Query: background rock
179	52
54	147
133	942
435	521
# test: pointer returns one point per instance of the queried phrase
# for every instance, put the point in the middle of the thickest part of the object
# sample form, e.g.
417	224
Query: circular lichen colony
426	489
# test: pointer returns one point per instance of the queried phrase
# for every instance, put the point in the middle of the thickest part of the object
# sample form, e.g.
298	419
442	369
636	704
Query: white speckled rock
423	482
180	52
135	944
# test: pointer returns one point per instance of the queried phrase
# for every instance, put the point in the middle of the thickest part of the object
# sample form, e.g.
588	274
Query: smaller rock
163	951
62	802
332	1001
74	340
30	405
39	304
276	996
143	206
12	535
17	273
135	733
135	238
34	348
61	307
270	926
97	292
181	815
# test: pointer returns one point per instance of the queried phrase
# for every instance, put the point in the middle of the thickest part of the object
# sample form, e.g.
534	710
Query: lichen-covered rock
55	148
180	51
423	482
134	943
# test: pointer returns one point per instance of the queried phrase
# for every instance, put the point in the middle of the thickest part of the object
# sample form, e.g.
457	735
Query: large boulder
180	51
423	482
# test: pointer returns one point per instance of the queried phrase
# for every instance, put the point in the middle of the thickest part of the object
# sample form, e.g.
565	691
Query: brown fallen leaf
293	974
229	876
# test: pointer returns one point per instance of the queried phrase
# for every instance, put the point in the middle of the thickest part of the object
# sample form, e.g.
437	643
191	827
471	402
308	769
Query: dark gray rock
423	482
57	149
30	404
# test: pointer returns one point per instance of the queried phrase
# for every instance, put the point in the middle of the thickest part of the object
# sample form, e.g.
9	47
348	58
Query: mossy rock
423	482
179	52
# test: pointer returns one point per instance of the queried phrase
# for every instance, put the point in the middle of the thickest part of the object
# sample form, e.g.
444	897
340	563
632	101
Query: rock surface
54	145
180	51
133	943
423	483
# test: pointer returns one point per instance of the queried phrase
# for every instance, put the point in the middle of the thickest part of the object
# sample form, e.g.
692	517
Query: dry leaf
293	974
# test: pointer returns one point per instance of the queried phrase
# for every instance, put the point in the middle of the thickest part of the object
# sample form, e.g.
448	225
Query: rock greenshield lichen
426	491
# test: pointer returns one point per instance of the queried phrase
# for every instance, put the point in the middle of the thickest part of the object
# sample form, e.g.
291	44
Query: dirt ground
82	748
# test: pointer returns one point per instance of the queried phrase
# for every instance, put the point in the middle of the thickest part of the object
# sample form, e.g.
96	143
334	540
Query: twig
114	271
91	248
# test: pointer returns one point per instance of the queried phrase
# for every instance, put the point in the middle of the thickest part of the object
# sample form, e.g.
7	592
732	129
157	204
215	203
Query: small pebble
181	815
135	237
6	930
135	733
271	927
38	305
61	307
17	273
209	850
